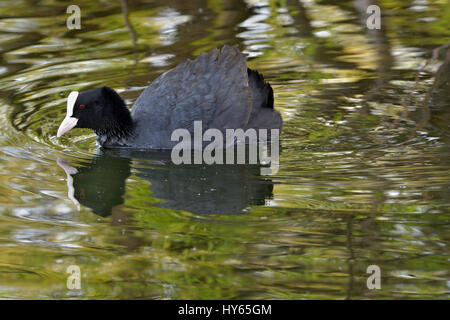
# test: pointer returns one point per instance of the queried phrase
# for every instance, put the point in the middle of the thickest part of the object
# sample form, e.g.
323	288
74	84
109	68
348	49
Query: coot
217	88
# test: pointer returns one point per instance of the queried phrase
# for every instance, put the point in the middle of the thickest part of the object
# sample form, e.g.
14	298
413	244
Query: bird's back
215	88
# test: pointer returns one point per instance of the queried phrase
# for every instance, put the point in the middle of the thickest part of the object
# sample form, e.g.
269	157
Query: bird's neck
118	129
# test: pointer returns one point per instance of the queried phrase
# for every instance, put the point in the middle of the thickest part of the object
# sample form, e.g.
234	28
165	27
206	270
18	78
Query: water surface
364	169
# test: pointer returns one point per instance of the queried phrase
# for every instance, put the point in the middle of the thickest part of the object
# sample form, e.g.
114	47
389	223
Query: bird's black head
101	110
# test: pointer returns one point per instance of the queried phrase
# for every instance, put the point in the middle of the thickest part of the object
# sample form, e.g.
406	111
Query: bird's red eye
82	106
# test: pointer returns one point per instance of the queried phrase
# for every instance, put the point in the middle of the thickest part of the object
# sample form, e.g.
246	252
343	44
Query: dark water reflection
200	189
363	178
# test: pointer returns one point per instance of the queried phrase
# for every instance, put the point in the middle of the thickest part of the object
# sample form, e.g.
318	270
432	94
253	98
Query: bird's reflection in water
200	189
100	185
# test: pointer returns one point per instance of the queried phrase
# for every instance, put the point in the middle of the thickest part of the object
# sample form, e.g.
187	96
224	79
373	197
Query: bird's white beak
69	122
66	125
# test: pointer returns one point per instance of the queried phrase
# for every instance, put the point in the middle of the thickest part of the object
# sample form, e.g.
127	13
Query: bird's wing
212	88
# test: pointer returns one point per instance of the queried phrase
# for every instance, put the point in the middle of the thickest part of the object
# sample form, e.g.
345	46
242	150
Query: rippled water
364	169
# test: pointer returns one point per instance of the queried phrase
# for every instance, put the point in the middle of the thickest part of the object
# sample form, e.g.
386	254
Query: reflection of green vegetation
215	32
433	19
357	185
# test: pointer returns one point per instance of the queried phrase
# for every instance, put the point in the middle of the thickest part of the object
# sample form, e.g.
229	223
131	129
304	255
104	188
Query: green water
364	168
